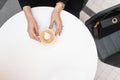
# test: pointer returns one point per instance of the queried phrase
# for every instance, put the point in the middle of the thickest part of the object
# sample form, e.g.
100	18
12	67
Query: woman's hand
56	19
33	29
32	24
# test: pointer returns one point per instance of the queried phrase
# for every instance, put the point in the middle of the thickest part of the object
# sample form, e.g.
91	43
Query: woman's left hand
56	19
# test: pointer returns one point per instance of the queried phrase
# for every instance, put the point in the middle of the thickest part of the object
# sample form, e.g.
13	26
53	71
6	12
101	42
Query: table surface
72	56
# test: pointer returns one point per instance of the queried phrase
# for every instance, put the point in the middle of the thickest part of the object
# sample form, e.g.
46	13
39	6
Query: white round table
72	56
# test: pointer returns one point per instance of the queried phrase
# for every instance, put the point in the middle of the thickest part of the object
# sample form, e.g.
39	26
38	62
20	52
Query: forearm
28	13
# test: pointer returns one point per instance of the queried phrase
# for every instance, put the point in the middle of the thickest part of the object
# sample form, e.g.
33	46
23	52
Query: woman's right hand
33	29
32	24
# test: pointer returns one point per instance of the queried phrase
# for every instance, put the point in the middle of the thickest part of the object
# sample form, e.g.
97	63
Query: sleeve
24	3
64	1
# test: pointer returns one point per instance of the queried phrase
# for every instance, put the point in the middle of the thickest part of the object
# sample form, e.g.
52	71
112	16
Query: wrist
28	13
29	18
59	7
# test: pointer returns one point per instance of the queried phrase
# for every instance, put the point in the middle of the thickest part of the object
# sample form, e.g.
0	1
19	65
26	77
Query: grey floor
8	8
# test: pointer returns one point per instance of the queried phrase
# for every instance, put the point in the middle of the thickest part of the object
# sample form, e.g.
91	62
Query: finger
61	29
36	31
57	30
29	32
33	35
51	24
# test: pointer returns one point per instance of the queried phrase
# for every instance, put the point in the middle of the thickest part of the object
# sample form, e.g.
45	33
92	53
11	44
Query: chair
108	47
